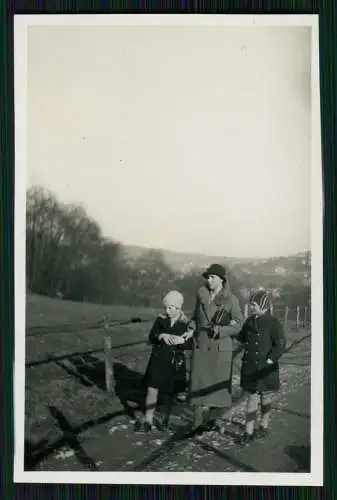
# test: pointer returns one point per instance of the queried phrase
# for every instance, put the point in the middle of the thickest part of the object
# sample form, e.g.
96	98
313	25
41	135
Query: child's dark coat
166	369
263	337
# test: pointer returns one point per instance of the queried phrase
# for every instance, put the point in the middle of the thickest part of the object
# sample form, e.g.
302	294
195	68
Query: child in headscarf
166	370
264	343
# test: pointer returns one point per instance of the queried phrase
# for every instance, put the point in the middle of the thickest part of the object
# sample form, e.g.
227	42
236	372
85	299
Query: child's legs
266	400
150	403
252	407
167	405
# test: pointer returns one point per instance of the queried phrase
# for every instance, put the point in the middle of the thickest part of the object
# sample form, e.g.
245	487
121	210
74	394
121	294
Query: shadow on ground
300	455
129	388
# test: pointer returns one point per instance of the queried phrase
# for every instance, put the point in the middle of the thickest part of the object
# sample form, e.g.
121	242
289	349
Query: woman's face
172	312
214	282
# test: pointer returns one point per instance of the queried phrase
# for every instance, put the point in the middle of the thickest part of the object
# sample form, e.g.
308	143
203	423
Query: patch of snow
65	453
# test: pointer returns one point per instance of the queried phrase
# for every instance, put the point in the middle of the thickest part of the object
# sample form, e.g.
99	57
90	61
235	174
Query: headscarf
262	298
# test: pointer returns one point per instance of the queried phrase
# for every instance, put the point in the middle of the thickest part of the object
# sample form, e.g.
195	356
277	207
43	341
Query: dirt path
107	441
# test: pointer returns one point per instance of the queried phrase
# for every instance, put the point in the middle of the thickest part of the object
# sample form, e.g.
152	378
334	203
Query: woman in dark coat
166	370
264	343
217	319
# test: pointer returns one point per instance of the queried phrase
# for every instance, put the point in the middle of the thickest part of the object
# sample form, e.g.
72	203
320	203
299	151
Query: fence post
286	317
246	311
272	309
108	359
305	316
297	317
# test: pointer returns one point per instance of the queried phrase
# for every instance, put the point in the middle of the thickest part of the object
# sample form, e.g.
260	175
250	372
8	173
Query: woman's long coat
211	364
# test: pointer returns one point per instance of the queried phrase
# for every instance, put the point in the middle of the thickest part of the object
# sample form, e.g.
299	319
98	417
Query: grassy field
45	311
66	395
74	387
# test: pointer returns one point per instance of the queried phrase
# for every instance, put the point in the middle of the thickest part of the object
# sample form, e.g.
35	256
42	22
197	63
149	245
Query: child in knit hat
166	369
264	343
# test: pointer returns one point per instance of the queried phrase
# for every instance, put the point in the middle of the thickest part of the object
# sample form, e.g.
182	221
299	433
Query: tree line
68	256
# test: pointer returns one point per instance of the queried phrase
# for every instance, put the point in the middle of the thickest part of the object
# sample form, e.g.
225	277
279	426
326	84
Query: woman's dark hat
216	269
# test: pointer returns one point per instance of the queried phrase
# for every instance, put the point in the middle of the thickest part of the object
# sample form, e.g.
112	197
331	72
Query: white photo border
315	478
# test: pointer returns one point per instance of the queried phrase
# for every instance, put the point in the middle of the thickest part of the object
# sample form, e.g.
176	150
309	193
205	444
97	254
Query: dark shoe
138	426
163	425
199	430
210	425
245	439
262	432
147	427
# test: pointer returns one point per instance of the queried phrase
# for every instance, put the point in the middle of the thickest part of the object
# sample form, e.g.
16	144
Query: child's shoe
246	439
262	432
138	426
163	425
181	397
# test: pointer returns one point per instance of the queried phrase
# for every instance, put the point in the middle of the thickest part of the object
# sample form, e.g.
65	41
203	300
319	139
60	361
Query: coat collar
181	318
220	299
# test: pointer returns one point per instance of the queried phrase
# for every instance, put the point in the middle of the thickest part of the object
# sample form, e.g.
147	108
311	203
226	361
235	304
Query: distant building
280	270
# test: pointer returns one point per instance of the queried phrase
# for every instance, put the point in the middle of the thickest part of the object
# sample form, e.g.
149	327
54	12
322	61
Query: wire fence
298	317
291	319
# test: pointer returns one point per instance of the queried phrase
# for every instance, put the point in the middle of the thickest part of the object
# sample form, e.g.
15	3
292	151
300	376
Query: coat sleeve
278	341
237	316
242	335
155	331
193	321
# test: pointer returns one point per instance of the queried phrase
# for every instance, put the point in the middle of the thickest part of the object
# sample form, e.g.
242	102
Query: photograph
168	250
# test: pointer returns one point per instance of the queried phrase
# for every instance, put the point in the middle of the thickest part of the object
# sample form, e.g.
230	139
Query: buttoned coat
166	369
263	337
211	363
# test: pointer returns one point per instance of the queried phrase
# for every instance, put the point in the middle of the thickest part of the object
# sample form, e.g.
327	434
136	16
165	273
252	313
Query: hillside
276	269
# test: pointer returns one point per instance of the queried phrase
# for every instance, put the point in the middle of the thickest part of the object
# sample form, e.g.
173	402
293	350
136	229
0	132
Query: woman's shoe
148	427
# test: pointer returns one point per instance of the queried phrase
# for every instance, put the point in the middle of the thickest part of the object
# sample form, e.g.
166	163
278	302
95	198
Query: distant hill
181	260
273	270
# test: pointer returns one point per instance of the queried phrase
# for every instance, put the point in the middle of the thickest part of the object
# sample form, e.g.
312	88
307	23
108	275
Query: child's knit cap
173	298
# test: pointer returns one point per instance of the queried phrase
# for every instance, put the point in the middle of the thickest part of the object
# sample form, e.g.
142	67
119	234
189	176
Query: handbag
222	317
178	361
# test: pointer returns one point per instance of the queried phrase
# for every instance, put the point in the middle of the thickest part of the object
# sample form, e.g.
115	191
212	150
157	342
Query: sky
188	138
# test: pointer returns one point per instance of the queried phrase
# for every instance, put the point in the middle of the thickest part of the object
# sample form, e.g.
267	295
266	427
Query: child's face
172	312
256	309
